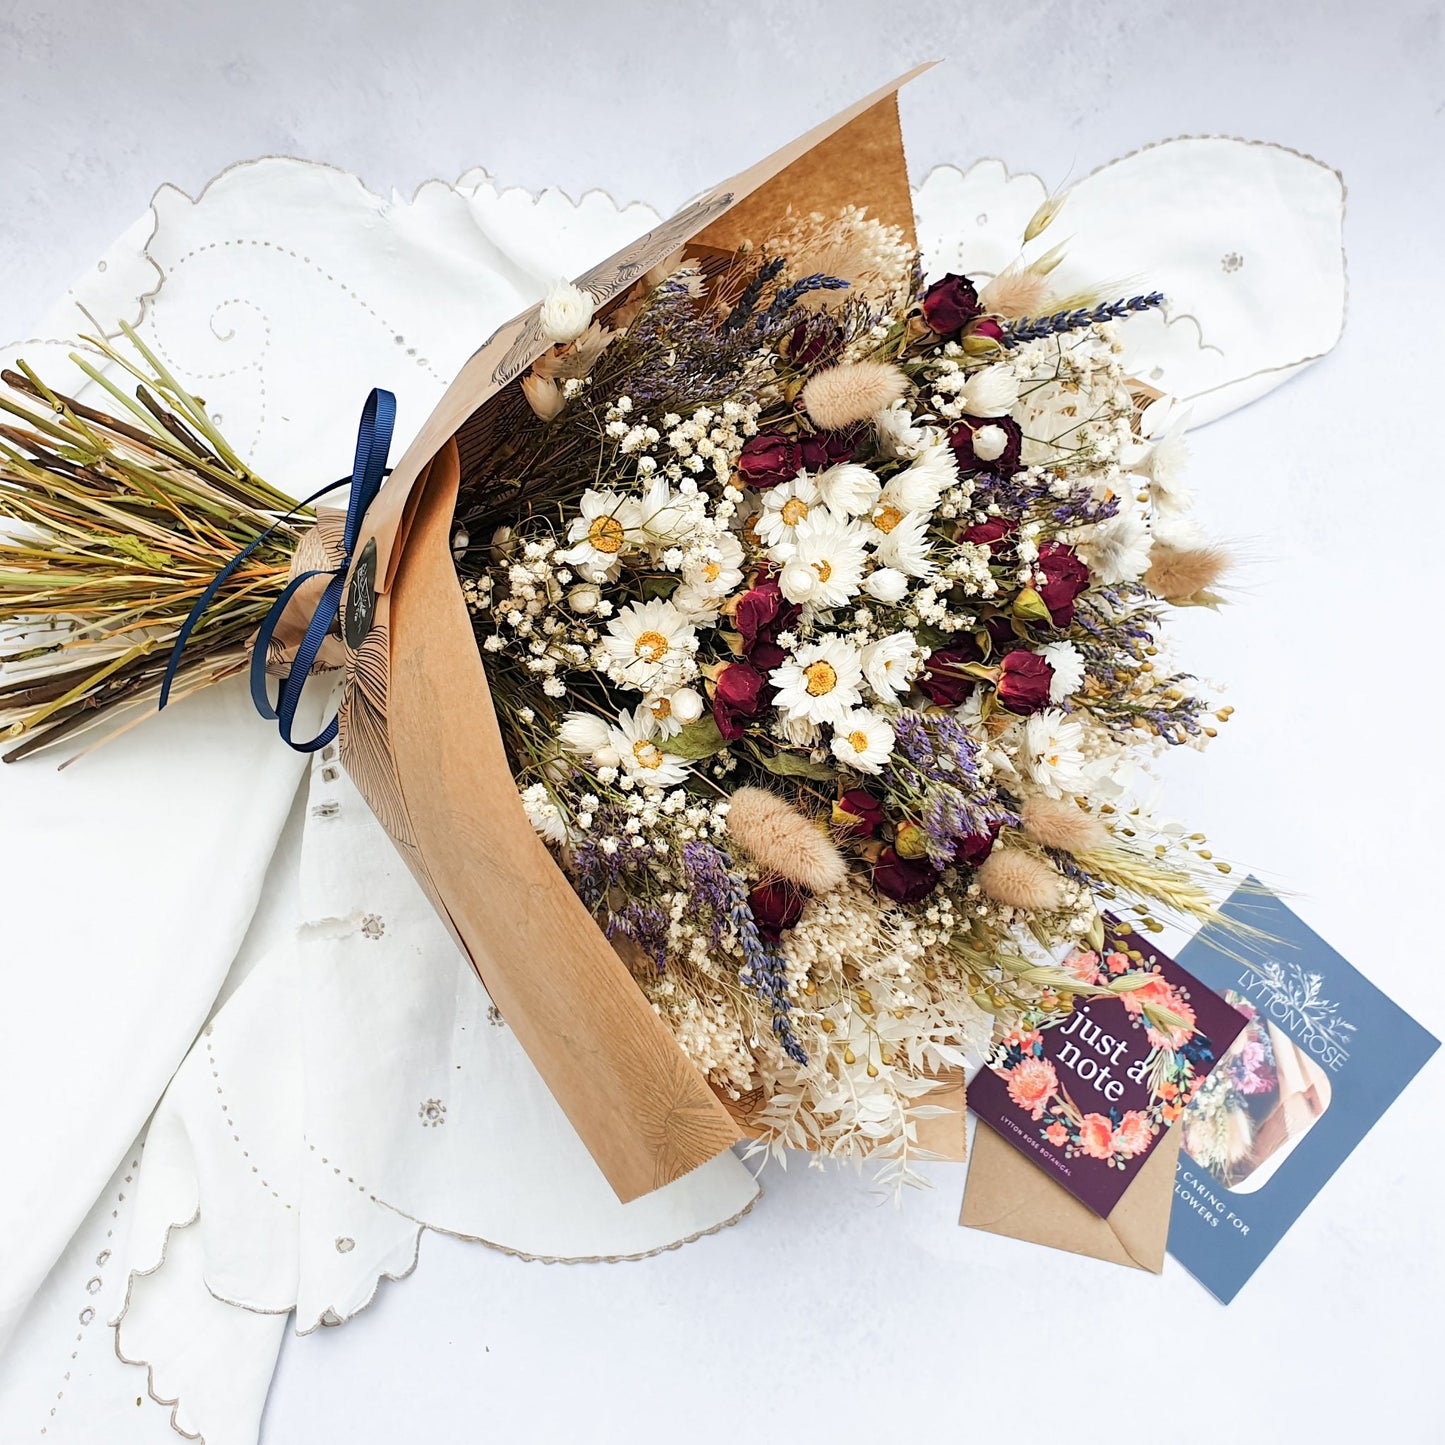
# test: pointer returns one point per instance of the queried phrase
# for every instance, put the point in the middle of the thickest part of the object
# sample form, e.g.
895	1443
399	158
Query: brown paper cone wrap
419	736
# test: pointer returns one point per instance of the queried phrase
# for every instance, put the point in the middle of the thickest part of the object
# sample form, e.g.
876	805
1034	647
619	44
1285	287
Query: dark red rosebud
766	656
776	906
813	340
950	304
739	698
1005	464
987	326
904	880
1023	684
1001	634
1064	578
942	678
828	448
770	458
993	534
763	612
865	812
973	848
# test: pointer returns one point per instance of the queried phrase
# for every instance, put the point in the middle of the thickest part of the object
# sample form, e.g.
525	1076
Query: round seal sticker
360	598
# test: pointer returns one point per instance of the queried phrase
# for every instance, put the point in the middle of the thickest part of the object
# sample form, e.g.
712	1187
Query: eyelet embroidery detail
432	1113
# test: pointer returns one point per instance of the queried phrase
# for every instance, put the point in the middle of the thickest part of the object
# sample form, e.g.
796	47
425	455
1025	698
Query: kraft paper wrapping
419	736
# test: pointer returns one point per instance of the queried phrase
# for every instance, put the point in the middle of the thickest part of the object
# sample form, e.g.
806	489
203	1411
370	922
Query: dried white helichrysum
566	312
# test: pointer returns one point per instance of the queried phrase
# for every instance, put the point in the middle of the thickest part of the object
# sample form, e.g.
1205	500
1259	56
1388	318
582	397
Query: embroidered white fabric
340	1080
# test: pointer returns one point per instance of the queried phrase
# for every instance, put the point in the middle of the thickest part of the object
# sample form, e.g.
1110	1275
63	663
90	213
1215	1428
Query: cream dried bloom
777	837
1061	823
1011	876
852	392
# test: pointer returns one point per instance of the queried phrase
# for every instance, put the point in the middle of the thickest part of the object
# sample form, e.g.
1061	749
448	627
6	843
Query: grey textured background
652	100
823	1315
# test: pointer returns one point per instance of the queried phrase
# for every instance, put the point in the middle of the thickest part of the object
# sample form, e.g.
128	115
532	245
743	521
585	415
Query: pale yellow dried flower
543	395
1180	574
1061	823
852	392
1012	876
777	837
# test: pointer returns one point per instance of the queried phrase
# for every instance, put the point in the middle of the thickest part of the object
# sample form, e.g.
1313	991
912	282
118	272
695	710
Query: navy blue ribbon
373	443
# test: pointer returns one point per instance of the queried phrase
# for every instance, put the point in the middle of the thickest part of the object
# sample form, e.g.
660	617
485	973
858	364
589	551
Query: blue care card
1323	1055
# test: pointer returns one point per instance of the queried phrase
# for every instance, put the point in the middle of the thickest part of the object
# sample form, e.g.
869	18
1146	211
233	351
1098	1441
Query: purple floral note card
1088	1094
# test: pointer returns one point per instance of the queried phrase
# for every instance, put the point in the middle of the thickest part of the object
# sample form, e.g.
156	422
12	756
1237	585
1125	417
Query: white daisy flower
848	489
668	726
1051	752
650	646
836	551
634	737
900	541
863	740
994	391
716	569
609	523
785	508
898	434
1068	668
889	665
820	682
665	518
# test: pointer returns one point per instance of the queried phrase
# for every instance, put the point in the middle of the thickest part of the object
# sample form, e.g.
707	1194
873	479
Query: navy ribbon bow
373	443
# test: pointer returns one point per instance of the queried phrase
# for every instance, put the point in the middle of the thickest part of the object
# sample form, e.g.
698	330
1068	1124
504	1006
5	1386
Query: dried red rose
771	458
1005	464
904	880
1064	578
1024	682
776	906
973	848
950	304
994	534
739	698
865	812
943	679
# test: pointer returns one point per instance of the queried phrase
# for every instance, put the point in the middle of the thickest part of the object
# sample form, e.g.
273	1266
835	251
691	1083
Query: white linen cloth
351	1087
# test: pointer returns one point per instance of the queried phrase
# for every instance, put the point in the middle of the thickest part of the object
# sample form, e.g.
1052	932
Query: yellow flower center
822	678
824	570
606	534
794	510
650	646
662	707
858	741
887	517
712	571
648	755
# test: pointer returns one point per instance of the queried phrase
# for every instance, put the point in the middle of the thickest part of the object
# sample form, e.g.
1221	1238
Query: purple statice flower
646	925
935	768
725	894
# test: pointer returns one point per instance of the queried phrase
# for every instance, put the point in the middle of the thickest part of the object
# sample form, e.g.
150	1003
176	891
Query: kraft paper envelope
1006	1194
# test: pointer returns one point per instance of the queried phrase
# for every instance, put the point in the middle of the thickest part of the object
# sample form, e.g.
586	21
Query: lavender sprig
1035	328
725	894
